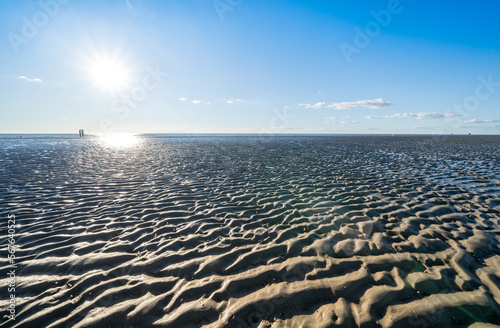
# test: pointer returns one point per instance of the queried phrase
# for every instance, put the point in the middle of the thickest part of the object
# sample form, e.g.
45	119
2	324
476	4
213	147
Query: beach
252	231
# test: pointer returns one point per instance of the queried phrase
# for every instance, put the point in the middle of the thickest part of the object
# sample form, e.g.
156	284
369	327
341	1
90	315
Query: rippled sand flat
254	232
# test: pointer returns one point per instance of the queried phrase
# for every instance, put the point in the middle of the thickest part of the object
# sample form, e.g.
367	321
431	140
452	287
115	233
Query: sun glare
109	74
119	140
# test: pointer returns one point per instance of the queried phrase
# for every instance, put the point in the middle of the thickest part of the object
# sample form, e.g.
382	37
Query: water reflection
120	140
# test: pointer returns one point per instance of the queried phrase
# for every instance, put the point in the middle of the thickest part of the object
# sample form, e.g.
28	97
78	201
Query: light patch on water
119	140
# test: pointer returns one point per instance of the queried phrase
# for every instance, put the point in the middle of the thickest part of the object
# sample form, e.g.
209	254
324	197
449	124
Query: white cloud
422	116
475	120
316	105
232	101
370	117
405	115
195	101
30	80
371	104
336	118
200	102
344	122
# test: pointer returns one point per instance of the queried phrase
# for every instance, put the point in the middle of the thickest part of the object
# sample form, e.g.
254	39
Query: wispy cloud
30	80
370	104
223	100
345	122
195	101
481	121
482	128
200	102
422	116
332	118
232	101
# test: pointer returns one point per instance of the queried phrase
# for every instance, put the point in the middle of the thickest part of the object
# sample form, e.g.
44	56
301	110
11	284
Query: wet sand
254	232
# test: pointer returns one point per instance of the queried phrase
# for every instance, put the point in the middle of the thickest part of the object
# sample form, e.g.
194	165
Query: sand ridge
256	232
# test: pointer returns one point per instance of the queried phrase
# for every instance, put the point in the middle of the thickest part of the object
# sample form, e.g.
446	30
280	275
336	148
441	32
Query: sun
109	74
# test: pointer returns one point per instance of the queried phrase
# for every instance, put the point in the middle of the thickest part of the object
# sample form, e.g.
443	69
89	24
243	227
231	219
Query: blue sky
250	66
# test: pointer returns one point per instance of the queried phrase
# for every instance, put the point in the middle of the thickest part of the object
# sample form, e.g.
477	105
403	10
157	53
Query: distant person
83	133
80	133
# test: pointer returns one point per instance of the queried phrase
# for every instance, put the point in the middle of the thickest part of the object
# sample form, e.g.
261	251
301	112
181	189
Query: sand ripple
255	232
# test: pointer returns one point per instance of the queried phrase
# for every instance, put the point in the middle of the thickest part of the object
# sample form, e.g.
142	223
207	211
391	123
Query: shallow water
241	231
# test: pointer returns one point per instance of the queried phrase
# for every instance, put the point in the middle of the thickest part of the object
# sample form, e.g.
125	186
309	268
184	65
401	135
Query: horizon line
242	134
